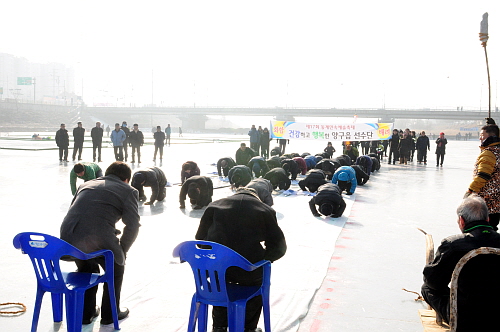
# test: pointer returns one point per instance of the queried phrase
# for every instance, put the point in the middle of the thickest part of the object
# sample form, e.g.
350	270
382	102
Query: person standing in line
254	139
394	147
96	133
117	138
136	140
282	142
413	136
78	138
486	182
125	143
440	149
84	171
180	132
108	129
159	137
242	222
62	141
111	198
264	143
423	145
168	132
260	131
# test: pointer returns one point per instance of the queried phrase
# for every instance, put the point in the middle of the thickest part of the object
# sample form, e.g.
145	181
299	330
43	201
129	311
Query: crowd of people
254	174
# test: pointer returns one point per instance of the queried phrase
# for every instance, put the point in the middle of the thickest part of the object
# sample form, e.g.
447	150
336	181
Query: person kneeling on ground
314	179
279	178
189	169
224	165
258	166
239	176
241	222
264	190
199	189
346	178
476	313
150	177
85	171
361	176
330	201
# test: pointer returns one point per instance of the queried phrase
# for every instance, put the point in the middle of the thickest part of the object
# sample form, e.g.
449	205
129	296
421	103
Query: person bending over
264	190
84	171
199	189
224	165
189	168
150	177
313	180
329	200
345	176
279	178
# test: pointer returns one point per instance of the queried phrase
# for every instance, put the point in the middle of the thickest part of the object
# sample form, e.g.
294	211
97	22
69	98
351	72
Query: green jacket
92	171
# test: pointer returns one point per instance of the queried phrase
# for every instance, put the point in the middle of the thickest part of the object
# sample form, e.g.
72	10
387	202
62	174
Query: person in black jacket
258	166
279	178
264	143
62	141
136	140
273	162
224	165
125	142
440	149
264	190
361	176
150	177
239	176
290	166
199	189
477	281
394	147
244	154
423	145
78	138
96	134
189	169
241	222
159	137
328	166
330	201
314	179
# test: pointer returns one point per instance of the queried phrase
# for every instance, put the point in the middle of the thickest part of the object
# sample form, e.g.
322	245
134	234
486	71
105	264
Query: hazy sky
264	53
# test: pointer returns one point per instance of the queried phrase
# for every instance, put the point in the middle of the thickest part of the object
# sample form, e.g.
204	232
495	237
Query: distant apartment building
50	83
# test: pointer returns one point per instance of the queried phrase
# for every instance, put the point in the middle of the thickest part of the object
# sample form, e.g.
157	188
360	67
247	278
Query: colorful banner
331	132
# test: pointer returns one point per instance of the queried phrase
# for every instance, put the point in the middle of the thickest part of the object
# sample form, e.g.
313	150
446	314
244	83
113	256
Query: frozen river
342	274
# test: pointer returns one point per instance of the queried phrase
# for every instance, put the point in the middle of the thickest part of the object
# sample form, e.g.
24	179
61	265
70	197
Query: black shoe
256	330
94	316
121	315
219	329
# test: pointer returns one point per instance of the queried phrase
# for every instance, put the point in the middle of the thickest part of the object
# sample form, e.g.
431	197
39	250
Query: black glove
349	193
316	215
490	121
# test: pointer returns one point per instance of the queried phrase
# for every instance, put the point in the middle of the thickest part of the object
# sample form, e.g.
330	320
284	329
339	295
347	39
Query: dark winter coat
78	135
244	156
310	161
279	178
423	143
136	139
328	166
328	194
361	176
258	166
230	163
273	162
313	180
375	164
241	222
96	134
152	177
206	187
239	175
62	138
302	164
159	137
97	206
264	190
441	145
291	167
366	162
190	166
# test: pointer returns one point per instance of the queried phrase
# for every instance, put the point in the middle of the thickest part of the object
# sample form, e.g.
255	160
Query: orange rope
13	312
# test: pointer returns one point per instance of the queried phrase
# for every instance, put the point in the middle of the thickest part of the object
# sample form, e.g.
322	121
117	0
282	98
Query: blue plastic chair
45	251
209	268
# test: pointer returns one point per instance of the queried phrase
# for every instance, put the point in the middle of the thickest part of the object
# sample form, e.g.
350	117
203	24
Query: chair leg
36	309
236	316
74	310
57	306
112	301
202	317
267	312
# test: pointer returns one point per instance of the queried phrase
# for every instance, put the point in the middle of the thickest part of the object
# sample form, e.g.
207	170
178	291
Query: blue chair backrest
209	262
45	251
